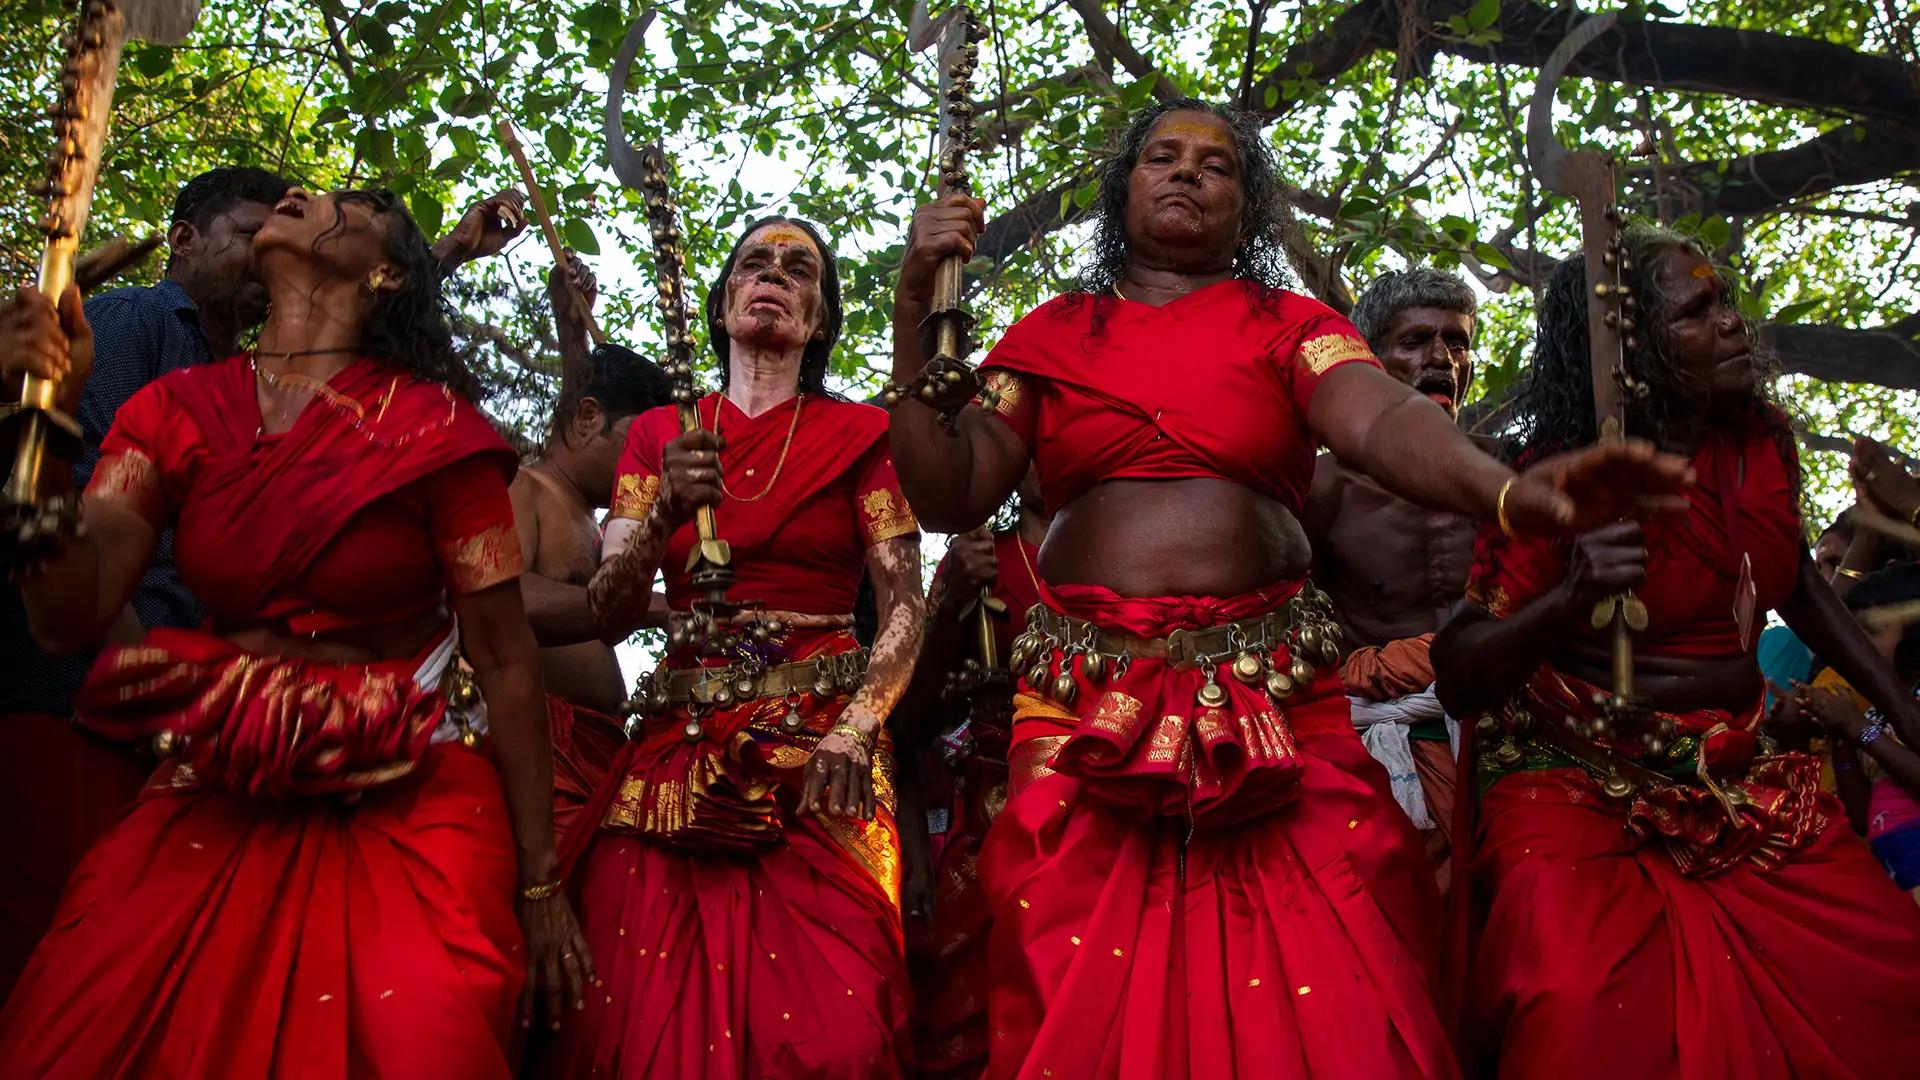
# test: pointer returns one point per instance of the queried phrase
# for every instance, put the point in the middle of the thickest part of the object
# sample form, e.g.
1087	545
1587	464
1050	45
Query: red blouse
386	494
1216	383
807	495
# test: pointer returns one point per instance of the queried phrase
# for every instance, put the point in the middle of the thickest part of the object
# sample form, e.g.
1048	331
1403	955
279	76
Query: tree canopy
1785	135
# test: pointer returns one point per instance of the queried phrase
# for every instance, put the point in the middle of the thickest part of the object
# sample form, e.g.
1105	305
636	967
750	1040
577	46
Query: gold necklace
293	380
798	403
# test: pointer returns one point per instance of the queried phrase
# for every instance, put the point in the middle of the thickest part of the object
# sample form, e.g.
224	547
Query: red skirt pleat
212	936
1300	943
787	963
1599	959
950	977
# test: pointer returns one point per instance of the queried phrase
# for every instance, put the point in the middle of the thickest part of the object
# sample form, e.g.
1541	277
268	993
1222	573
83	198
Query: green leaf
153	61
1491	256
559	142
1483	13
1791	313
332	114
579	236
427	213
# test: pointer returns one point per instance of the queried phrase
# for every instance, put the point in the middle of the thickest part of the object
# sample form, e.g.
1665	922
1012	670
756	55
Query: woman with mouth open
1662	894
742	892
1199	871
322	877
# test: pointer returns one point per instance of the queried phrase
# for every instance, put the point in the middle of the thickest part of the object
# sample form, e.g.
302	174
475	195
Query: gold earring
819	335
375	280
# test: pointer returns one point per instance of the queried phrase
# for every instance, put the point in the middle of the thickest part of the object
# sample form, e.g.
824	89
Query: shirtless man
1393	570
557	497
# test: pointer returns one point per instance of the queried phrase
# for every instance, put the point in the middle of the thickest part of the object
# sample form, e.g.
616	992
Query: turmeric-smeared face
1185	190
773	293
1704	331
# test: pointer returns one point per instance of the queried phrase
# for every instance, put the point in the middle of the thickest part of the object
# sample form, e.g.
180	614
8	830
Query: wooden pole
544	216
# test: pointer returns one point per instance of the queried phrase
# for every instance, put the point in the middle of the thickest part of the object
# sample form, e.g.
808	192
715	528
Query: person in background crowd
963	739
555	498
321	875
1394	569
1878	781
1199	871
742	876
1661	894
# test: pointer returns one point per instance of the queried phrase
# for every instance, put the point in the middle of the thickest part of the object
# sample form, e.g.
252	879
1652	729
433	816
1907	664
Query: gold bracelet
541	890
1500	509
1913	516
863	738
1849	572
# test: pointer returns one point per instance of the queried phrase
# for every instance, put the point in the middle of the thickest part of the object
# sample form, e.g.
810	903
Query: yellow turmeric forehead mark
1192	127
1702	271
782	234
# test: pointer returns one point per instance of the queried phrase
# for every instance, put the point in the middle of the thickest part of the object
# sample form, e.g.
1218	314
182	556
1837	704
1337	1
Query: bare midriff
1200	536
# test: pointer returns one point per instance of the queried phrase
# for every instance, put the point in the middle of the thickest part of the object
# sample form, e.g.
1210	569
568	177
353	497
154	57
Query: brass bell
722	696
775	627
1211	695
1095	668
1038	674
1021	653
1279	686
1064	689
1508	755
1617	787
1248	668
822	686
659	697
463	694
1301	671
166	743
1655	744
469	738
1308	639
743	686
1599	728
793	721
693	730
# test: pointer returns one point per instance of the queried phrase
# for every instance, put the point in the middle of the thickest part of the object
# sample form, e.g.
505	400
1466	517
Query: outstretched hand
1576	492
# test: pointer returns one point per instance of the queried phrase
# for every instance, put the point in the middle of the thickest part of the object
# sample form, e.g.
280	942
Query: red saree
306	887
1652	935
732	936
1177	891
951	983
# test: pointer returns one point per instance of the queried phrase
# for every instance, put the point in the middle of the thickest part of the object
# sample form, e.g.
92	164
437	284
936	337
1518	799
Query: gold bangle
1500	509
1913	516
863	738
540	891
1849	572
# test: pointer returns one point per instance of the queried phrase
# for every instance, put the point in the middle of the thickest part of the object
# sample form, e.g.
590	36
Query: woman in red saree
1200	871
320	878
741	892
1662	893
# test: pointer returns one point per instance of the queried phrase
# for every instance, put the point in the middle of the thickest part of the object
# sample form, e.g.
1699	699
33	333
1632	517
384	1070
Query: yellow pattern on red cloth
484	559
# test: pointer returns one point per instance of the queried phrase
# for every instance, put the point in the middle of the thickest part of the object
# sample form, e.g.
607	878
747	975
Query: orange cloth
1385	672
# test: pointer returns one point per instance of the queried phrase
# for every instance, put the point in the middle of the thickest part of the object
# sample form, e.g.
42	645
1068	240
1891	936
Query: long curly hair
1554	403
411	326
1260	258
819	354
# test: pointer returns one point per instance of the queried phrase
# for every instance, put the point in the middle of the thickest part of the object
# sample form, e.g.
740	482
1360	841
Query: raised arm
954	480
1382	427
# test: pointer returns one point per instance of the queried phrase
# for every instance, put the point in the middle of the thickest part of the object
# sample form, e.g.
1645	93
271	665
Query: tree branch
1850	154
1883	357
1108	36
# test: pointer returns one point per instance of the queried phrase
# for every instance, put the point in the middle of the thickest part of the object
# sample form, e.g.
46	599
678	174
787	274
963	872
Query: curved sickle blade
922	31
621	155
159	22
1548	157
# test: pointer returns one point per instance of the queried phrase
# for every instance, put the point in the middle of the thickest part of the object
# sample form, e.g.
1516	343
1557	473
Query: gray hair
1396	291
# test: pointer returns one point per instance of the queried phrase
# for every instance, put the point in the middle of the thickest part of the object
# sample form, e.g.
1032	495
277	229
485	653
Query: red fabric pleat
1601	959
585	746
1298	943
783	964
72	794
213	936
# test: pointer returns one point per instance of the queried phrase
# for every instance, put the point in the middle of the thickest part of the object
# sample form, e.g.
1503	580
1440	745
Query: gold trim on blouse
1001	392
129	476
885	516
1327	350
487	558
634	495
